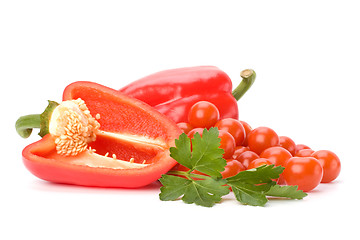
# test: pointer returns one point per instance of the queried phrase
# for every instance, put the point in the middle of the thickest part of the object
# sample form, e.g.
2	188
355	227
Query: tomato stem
248	78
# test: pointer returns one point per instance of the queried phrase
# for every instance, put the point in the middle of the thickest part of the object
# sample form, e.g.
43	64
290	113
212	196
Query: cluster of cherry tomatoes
247	148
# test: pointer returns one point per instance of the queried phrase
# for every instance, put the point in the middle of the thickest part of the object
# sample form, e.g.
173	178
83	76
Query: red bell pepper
173	92
131	140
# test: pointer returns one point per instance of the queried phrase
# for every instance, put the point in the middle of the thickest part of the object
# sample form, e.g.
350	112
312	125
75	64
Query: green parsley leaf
182	152
291	192
250	187
251	194
205	157
262	174
173	187
205	192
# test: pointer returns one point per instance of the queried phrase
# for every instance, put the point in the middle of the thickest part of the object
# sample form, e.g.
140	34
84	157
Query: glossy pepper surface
131	148
173	92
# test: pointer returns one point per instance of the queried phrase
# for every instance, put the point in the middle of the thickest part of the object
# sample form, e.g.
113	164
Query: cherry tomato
248	129
306	172
239	150
232	168
227	143
246	157
330	163
288	144
304	153
281	180
234	127
195	130
262	138
185	127
259	162
299	147
276	155
203	114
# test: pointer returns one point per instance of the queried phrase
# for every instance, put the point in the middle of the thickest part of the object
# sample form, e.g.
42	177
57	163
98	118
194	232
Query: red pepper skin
55	170
41	159
173	92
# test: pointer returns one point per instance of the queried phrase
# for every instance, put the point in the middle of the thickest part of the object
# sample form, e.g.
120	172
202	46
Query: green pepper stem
248	78
25	124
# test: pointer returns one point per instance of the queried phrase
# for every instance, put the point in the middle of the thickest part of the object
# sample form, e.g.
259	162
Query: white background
306	56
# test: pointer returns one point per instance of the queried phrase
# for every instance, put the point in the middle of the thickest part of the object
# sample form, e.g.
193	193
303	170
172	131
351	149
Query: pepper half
127	145
173	92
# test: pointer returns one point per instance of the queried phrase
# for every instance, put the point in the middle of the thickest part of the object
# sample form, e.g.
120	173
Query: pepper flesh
132	144
173	92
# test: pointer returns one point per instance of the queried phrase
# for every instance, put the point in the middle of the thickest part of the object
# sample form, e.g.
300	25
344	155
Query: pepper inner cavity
121	149
75	130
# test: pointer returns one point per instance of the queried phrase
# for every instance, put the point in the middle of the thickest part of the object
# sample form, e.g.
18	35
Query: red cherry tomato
262	138
234	127
304	153
259	162
306	172
288	144
248	129
195	130
246	157
227	143
232	168
239	150
276	155
299	147
203	114
281	180
185	127
330	163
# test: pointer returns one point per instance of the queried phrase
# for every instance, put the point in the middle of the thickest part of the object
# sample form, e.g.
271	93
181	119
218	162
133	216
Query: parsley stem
188	175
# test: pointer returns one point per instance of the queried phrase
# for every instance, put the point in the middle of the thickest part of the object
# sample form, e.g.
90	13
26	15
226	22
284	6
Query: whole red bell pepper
100	137
173	92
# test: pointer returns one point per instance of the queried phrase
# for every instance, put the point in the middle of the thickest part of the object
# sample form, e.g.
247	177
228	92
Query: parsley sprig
203	185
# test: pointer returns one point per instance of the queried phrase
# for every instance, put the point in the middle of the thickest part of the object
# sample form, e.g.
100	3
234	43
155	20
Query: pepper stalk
69	122
25	124
248	78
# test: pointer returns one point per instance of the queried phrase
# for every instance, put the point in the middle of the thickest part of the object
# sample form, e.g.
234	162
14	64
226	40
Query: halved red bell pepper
132	143
173	92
